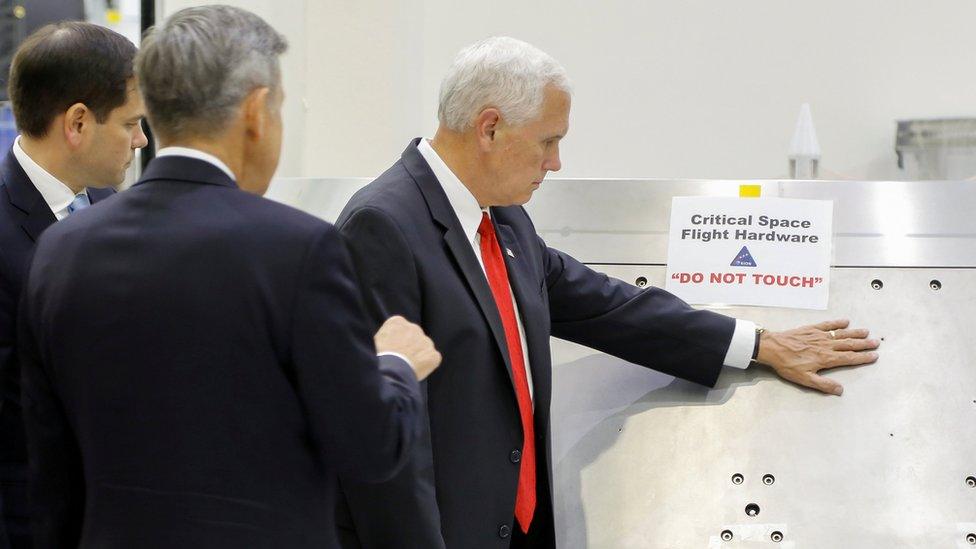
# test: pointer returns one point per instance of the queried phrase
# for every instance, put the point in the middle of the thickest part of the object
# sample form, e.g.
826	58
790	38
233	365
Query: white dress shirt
468	212
197	154
56	194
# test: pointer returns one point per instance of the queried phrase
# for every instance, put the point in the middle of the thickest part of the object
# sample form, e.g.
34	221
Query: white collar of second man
197	154
56	194
465	205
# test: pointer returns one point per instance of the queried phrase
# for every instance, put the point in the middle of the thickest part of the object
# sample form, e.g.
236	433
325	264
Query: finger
856	344
824	385
851	334
851	359
828	325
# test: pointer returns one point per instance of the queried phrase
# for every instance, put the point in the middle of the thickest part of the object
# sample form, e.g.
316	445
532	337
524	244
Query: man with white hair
441	238
197	365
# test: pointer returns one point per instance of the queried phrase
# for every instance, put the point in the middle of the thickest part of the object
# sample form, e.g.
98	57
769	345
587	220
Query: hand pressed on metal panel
798	355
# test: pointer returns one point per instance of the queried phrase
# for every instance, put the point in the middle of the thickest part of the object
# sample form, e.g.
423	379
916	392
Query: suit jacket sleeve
404	508
57	485
650	326
363	417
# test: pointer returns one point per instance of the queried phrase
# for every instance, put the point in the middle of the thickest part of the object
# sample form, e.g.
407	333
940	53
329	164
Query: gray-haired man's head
197	66
211	74
501	72
503	110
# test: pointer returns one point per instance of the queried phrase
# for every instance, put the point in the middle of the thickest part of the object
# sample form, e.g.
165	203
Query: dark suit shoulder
222	210
268	215
394	193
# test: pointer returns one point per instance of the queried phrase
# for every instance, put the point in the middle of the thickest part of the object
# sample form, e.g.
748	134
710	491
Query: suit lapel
26	197
468	264
457	243
39	218
526	288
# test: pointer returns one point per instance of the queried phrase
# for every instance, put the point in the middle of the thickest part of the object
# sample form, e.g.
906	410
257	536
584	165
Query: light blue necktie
80	202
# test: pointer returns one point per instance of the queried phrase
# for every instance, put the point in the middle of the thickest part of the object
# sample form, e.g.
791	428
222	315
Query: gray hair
501	72
197	66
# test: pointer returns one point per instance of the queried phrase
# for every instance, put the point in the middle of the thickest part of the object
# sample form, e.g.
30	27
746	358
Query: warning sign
779	250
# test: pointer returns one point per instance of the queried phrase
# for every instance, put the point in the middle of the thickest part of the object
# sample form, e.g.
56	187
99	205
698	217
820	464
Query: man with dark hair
79	112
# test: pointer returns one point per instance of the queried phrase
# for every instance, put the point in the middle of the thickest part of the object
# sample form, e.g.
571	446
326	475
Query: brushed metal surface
889	223
646	461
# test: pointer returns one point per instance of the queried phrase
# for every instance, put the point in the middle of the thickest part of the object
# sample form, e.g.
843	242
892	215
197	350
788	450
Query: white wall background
670	89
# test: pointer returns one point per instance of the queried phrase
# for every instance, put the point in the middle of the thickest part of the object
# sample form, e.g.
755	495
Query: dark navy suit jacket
197	368
414	259
24	215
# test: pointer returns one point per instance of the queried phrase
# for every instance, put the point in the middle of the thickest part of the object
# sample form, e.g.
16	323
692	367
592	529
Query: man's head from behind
76	102
212	81
504	107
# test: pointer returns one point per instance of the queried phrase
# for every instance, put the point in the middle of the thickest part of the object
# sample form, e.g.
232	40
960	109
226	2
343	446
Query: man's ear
485	126
254	109
76	124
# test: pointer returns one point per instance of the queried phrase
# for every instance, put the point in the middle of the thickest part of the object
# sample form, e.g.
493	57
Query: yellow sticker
750	191
113	16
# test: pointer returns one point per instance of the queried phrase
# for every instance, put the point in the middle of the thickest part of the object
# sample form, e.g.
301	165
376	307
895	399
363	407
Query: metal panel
646	461
875	223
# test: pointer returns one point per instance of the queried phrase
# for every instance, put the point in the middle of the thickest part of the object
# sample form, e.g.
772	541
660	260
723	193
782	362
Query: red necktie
491	254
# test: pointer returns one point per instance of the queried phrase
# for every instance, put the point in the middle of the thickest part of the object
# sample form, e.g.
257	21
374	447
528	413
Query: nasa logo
744	259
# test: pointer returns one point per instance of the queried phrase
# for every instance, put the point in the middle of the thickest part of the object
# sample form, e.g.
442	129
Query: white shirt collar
56	194
197	154
462	201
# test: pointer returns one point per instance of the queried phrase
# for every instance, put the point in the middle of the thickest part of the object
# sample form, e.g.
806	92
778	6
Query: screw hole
971	538
877	284
641	282
935	285
769	480
737	478
726	535
971	482
776	536
752	510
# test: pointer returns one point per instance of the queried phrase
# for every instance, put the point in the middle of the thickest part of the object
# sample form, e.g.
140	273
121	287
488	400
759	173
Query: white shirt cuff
742	345
407	360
